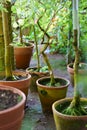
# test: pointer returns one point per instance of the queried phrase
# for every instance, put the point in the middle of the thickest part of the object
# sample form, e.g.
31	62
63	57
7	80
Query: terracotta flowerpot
67	122
34	76
11	118
82	71
23	56
22	84
49	94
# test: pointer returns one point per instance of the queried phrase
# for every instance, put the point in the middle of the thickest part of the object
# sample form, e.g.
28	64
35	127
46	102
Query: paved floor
34	119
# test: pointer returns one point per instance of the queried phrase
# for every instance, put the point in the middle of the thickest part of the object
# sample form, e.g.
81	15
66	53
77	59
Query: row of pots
48	96
51	101
11	118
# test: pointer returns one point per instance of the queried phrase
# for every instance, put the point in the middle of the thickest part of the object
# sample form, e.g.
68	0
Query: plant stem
8	67
2	66
52	82
20	36
76	98
37	53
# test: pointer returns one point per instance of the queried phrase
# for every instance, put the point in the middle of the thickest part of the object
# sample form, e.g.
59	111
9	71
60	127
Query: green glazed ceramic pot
67	122
49	94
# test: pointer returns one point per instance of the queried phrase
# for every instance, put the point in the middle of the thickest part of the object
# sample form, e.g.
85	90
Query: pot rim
63	115
35	72
19	71
15	90
31	46
48	77
70	69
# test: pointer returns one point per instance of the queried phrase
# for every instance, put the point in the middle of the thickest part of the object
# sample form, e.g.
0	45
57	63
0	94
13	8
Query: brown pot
34	76
23	56
22	84
11	118
67	122
70	70
49	94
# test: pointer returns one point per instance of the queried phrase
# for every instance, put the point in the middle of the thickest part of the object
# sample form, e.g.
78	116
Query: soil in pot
13	78
8	99
58	83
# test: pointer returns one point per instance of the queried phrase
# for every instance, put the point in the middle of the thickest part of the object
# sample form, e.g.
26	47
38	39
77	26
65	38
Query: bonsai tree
75	107
7	37
46	37
7	33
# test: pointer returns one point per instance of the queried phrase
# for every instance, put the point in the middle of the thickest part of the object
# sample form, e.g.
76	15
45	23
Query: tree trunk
2	68
7	39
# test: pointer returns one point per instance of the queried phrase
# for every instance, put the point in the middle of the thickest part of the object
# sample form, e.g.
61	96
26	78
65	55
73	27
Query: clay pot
11	118
82	72
34	76
66	122
22	84
23	56
49	94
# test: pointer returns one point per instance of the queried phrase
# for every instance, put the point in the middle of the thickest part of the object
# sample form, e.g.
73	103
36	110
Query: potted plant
11	108
50	88
8	77
82	70
38	71
23	48
71	113
44	31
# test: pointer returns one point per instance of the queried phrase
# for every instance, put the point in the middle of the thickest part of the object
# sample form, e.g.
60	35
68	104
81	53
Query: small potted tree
23	48
18	79
44	34
71	113
71	54
50	88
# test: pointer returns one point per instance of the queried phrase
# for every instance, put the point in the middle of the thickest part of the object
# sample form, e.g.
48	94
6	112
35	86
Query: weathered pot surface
23	56
66	122
11	118
49	94
22	84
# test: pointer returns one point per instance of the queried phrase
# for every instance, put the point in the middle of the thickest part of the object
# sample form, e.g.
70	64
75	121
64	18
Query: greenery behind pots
49	94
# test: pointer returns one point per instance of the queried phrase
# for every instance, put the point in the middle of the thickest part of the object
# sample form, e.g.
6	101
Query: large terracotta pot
23	56
11	118
49	94
22	84
82	72
67	122
34	76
